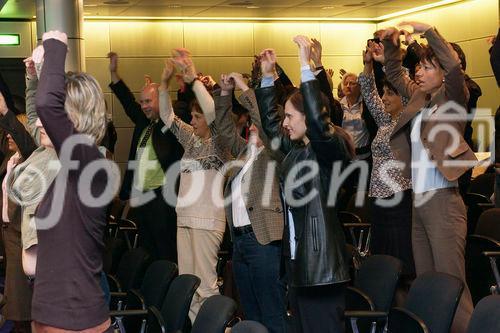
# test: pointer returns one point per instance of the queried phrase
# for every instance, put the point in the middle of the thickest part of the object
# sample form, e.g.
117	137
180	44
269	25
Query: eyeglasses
350	83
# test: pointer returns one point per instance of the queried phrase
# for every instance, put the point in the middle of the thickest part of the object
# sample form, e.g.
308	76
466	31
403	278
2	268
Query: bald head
149	101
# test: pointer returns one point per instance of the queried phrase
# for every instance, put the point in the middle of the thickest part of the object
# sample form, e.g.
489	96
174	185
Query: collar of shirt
356	106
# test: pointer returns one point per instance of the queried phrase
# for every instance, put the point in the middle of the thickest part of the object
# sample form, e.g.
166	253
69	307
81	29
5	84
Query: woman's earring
443	80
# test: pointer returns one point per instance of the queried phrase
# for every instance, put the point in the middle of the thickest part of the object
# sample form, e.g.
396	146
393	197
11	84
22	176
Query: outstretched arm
31	87
180	129
123	93
394	71
184	62
268	102
13	126
228	136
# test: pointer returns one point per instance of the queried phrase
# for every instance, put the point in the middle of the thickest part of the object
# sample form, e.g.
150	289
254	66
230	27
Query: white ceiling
370	9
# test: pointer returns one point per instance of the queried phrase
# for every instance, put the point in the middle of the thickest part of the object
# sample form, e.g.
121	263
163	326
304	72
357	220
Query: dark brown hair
427	55
297	101
195	106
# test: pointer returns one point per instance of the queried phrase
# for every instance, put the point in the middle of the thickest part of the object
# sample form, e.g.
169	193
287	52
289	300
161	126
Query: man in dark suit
153	153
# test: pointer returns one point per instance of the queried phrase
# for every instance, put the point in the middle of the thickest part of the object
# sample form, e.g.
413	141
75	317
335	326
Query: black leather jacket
320	245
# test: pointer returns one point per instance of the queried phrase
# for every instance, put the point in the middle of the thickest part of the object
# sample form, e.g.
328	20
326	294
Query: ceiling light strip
190	18
416	9
279	19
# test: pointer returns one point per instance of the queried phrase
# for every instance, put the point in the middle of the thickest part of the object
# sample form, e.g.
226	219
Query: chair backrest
486	316
132	268
478	271
214	315
156	282
489	224
378	278
249	326
483	184
364	211
113	252
176	305
433	298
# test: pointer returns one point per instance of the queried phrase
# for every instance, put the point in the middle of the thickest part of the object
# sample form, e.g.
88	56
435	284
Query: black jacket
166	146
320	245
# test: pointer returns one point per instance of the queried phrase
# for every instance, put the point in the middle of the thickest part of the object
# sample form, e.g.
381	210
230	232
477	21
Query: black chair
474	203
113	253
357	233
130	271
363	211
214	315
430	306
489	224
486	316
478	267
373	290
483	184
128	231
153	291
249	326
173	315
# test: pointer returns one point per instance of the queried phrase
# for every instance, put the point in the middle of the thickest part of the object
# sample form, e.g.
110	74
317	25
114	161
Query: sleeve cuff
307	74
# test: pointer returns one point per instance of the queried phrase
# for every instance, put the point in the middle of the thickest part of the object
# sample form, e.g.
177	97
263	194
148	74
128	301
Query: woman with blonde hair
70	221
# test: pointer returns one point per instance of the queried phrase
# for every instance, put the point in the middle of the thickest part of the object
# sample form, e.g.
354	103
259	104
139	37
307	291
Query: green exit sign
10	39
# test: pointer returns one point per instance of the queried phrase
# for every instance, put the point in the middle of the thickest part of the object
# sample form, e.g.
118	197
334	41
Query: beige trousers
439	232
197	254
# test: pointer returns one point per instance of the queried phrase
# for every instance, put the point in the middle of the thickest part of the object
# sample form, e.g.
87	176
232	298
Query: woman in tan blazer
428	138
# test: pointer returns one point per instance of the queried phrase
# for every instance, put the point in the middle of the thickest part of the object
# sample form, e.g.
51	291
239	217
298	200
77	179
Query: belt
238	231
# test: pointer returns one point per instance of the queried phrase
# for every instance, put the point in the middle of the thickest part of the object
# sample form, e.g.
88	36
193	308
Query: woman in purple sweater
70	219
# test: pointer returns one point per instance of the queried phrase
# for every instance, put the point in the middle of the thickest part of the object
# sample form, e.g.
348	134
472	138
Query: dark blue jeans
256	271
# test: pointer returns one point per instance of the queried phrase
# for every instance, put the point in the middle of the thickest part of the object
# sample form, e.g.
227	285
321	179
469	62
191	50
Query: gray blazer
260	191
453	89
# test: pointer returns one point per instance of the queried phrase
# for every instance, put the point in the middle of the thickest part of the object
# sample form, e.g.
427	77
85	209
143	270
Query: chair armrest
135	300
491	254
348	217
486	206
357	225
402	320
114	284
366	314
156	323
118	294
127	313
356	300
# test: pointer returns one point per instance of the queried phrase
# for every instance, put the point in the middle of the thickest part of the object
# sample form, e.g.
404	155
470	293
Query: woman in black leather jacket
312	148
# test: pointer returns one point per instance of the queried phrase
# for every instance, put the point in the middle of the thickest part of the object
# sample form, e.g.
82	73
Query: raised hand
316	52
377	51
226	83
342	72
207	80
367	55
330	72
30	67
268	63
184	62
418	27
3	106
390	33
166	76
113	61
239	81
408	37
305	47
55	34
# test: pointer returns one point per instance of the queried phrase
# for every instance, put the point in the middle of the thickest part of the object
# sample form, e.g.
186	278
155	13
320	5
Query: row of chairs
162	302
430	305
